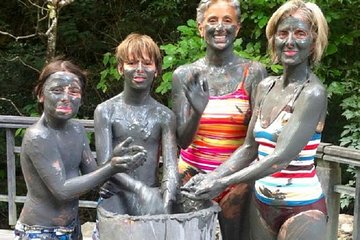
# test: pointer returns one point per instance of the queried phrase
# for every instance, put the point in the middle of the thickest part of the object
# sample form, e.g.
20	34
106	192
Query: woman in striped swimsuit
212	101
283	134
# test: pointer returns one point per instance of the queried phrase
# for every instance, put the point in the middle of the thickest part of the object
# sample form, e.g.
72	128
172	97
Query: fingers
137	160
129	162
127	142
119	148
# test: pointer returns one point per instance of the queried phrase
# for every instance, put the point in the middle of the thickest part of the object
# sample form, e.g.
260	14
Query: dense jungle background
87	31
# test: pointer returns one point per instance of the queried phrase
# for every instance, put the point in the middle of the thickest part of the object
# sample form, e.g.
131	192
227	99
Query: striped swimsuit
221	131
295	186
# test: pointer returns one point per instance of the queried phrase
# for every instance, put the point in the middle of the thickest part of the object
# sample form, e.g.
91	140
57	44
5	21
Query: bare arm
190	98
170	179
49	165
309	111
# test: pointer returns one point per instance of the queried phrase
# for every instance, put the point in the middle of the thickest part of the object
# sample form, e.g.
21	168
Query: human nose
290	40
219	26
65	96
140	67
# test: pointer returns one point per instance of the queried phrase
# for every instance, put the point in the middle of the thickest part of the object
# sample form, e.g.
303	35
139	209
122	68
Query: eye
132	62
300	34
212	20
228	20
282	34
74	91
148	62
57	90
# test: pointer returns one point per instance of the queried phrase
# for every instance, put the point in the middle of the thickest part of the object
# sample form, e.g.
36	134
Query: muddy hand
125	148
197	93
193	182
107	189
151	200
129	162
207	189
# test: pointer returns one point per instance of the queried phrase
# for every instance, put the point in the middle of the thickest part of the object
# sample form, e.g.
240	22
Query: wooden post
329	174
11	175
356	224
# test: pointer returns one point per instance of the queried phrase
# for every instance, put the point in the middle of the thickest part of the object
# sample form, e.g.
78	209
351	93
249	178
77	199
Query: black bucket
196	225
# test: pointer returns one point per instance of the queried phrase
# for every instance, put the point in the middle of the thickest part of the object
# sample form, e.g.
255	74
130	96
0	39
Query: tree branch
25	64
13	104
18	37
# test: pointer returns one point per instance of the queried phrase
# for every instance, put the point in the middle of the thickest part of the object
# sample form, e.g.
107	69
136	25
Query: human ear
238	27
40	98
120	69
201	29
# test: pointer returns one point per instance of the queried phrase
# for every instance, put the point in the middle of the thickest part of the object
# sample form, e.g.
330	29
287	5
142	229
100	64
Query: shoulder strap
244	76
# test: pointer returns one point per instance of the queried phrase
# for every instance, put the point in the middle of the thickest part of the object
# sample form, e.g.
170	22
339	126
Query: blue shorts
26	232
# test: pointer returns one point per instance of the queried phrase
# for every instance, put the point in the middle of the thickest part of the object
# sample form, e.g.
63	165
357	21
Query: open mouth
220	39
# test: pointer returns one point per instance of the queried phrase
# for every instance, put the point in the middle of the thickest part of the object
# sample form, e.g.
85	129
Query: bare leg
303	226
234	215
259	229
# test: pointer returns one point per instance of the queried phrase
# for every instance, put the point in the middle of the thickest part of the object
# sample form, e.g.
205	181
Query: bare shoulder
105	108
315	89
266	83
163	112
186	70
36	131
75	126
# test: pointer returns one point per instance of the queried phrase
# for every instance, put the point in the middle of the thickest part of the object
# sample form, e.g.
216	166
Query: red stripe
293	175
311	147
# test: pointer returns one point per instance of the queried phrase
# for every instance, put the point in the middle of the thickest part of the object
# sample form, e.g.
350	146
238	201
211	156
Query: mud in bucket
195	225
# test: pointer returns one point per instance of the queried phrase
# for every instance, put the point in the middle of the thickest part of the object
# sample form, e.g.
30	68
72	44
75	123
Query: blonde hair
137	45
312	14
205	4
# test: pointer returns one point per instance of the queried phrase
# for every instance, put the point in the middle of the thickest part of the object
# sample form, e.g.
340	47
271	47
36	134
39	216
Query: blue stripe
265	183
305	158
266	135
262	153
274	202
316	136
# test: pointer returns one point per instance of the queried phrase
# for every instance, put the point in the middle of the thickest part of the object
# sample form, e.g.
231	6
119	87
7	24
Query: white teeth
220	38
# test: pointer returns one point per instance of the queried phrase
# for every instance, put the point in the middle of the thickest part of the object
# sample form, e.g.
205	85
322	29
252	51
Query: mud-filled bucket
195	225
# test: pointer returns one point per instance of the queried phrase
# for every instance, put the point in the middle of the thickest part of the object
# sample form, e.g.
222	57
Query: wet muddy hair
311	13
205	4
58	65
137	44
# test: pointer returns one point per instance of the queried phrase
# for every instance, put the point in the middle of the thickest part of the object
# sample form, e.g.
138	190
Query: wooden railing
329	158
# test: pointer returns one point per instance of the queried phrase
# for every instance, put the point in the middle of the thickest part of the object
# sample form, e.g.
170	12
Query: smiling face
61	95
139	72
293	40
220	26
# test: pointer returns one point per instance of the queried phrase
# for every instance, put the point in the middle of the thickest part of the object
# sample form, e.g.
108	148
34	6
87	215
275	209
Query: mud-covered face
61	95
293	40
220	26
139	72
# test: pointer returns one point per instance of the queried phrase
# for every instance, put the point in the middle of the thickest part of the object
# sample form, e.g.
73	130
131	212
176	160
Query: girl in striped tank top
283	135
212	101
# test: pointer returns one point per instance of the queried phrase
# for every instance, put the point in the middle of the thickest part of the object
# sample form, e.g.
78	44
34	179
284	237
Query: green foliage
109	74
189	48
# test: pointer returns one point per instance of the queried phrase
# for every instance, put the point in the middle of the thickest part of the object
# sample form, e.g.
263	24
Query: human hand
126	157
125	148
209	188
151	201
107	190
193	182
197	92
